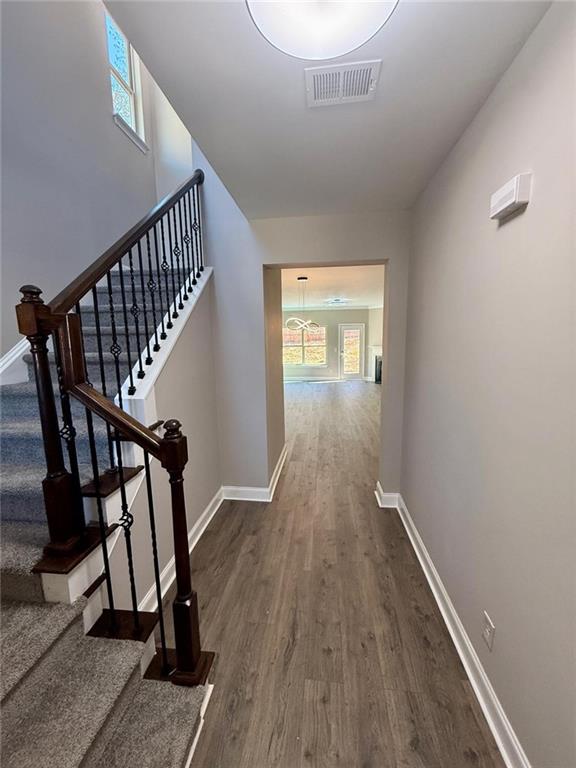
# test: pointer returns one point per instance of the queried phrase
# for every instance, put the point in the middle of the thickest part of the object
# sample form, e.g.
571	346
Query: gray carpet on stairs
157	728
29	630
51	719
21	545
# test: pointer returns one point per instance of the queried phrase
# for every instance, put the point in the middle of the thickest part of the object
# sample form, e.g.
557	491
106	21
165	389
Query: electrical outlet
488	631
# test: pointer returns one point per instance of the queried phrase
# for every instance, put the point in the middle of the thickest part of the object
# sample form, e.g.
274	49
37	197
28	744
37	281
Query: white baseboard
13	369
247	493
507	741
386	499
168	575
149	602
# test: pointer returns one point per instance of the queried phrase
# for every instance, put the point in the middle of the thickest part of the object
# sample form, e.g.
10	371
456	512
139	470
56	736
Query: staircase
72	690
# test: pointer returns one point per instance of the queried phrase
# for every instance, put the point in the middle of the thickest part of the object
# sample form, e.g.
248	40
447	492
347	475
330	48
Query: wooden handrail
79	287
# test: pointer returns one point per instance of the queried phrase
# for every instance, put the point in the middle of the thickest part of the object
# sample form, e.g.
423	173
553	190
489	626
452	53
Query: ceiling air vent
342	83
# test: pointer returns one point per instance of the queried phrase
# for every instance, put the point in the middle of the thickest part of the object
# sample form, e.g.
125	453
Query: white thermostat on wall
513	195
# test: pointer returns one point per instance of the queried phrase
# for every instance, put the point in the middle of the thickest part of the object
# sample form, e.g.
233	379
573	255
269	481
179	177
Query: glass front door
352	351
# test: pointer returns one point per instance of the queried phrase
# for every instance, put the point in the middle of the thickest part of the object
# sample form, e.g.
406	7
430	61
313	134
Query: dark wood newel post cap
172	429
31	294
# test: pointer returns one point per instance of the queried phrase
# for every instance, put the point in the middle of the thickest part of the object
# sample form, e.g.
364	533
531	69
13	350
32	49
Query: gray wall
72	181
489	449
239	334
274	381
331	319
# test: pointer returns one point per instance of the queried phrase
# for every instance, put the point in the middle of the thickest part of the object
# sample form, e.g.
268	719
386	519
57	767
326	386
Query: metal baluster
199	196
159	274
196	228
181	246
145	311
103	376
177	254
151	285
126	521
186	241
135	312
176	305
101	523
194	235
165	665
165	268
115	348
131	387
68	430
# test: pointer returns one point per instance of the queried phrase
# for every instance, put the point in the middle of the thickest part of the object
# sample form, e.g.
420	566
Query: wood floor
331	651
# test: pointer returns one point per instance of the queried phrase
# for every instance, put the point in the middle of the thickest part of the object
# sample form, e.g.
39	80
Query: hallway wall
489	443
72	181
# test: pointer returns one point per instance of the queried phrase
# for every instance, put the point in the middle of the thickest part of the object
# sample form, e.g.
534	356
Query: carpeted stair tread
21	546
54	715
28	631
157	729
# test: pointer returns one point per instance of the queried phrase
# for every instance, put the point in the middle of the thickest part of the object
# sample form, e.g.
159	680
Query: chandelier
297	323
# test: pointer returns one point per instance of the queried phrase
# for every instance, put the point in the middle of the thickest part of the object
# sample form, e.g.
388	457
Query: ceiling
245	104
362	285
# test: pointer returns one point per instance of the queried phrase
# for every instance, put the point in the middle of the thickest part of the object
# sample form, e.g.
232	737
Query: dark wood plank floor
331	650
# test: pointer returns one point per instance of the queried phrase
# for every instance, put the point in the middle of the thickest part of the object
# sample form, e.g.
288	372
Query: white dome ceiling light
319	29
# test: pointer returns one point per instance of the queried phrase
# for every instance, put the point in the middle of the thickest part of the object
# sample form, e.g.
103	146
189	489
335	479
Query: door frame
342	326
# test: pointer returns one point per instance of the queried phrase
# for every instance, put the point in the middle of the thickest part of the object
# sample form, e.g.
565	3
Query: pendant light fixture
297	323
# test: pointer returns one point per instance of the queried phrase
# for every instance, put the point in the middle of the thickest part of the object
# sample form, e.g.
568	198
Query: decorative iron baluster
68	430
196	229
186	241
131	387
199	224
144	309
165	665
135	312
101	523
159	276
194	241
177	305
126	520
151	285
102	367
177	255
115	348
165	268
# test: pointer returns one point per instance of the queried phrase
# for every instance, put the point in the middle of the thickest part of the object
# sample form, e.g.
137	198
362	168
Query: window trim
133	89
303	347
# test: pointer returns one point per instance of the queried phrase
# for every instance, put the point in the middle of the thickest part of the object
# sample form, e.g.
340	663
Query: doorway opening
332	323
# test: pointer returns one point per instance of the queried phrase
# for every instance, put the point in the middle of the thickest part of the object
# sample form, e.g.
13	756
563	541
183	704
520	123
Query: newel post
66	523
192	664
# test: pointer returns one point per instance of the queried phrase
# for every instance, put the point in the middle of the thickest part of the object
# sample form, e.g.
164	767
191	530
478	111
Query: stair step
53	717
41	624
169	715
21	546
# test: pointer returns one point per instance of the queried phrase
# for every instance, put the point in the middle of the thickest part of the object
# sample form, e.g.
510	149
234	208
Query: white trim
386	499
131	133
507	741
168	575
203	708
350	377
13	369
255	493
300	379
